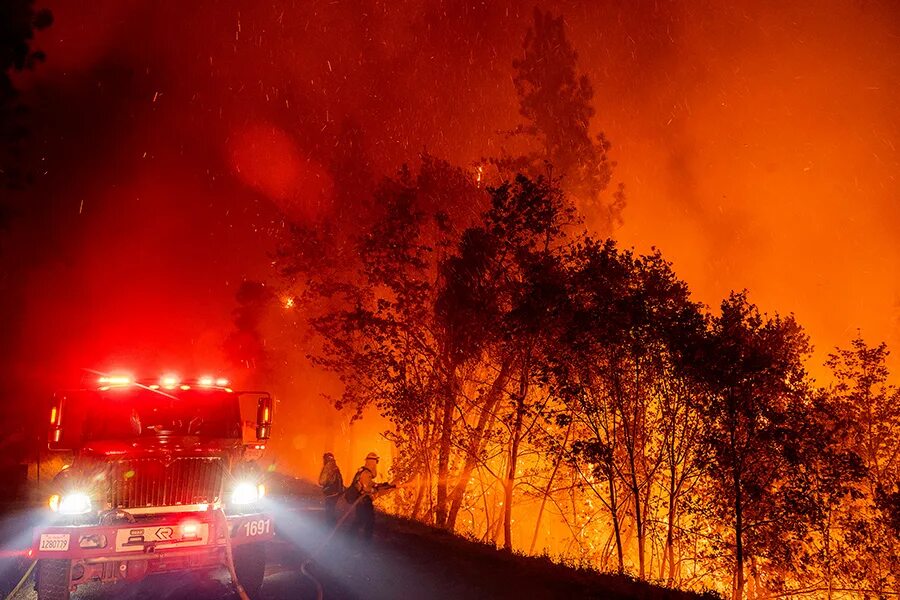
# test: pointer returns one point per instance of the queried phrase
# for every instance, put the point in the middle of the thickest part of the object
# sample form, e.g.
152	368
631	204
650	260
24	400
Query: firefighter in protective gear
332	483
361	493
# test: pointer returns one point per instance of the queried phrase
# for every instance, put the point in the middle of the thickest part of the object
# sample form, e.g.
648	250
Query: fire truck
164	477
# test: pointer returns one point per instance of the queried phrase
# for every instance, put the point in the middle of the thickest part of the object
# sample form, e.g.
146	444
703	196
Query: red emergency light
190	529
169	381
110	381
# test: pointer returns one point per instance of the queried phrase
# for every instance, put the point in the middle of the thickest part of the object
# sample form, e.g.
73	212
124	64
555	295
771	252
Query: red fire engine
164	478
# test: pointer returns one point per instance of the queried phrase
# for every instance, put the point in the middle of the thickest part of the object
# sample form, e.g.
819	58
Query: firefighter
332	483
361	492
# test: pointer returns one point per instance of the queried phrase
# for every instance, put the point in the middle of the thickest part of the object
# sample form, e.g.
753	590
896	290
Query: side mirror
66	422
256	417
54	434
264	410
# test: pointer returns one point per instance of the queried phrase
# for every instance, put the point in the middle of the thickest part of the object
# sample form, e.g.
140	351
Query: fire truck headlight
75	503
247	493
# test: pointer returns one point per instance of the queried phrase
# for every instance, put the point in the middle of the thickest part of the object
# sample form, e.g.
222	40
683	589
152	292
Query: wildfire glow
756	143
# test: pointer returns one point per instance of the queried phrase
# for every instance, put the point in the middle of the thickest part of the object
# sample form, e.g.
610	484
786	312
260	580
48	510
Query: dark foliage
18	22
557	105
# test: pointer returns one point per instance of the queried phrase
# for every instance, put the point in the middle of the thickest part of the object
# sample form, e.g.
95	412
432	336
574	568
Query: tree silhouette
376	316
556	103
615	371
18	22
518	362
753	368
868	407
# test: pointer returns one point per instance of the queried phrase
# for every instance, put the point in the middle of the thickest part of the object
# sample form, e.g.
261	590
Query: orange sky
762	154
757	141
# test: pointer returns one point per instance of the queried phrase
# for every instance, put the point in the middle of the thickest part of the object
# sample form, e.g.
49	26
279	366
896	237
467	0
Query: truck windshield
141	413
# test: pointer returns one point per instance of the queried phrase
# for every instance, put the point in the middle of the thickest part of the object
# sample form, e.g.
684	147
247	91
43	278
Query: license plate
136	539
54	542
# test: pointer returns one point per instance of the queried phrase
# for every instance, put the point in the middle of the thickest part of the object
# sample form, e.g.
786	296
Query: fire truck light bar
168	382
114	380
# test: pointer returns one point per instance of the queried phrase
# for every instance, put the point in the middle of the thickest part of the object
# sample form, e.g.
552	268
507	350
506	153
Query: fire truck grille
151	482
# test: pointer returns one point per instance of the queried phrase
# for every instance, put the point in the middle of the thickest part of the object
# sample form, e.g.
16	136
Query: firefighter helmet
371	456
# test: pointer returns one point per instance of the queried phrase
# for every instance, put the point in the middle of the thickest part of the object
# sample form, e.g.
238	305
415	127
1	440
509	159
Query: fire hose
320	593
18	587
350	510
229	557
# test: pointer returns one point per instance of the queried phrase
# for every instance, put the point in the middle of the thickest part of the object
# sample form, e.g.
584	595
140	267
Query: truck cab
163	477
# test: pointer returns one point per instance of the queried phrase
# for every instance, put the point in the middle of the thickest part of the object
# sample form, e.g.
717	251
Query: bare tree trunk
617	528
429	486
513	459
738	535
631	483
668	556
759	590
444	453
828	567
607	552
638	517
473	450
488	524
537	525
417	503
498	525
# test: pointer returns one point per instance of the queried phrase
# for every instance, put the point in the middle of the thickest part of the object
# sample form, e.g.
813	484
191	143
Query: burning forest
610	283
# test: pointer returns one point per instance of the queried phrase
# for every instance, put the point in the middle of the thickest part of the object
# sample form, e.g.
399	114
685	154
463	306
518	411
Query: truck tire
52	579
250	566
